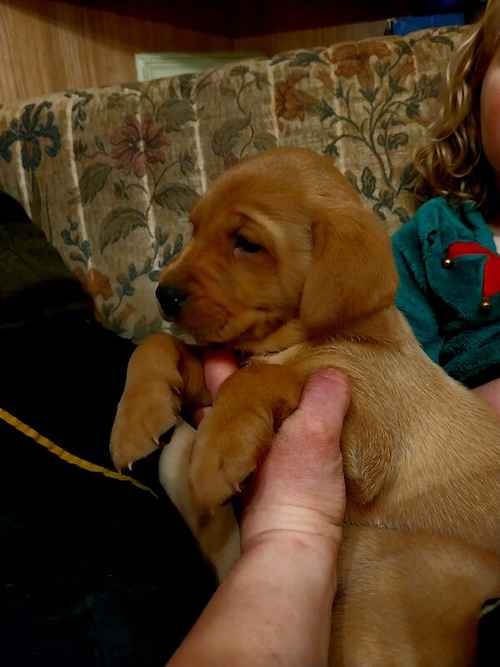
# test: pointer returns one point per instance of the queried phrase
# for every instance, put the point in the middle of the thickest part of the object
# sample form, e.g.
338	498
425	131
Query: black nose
170	299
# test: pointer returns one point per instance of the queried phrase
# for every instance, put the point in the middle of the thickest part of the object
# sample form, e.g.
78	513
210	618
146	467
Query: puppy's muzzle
170	299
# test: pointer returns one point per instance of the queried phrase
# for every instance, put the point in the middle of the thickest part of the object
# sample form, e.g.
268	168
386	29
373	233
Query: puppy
289	267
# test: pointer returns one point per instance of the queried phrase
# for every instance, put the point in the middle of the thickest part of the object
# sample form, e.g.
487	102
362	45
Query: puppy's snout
170	299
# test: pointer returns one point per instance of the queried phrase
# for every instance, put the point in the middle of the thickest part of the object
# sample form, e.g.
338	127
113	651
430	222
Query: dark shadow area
241	18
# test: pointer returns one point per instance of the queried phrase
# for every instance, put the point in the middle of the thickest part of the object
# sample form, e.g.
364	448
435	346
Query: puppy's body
287	265
408	599
425	421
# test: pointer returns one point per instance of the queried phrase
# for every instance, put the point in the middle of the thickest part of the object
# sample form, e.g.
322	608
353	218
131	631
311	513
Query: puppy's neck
383	327
287	335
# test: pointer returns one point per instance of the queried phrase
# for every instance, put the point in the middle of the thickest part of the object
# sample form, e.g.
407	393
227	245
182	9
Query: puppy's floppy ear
352	272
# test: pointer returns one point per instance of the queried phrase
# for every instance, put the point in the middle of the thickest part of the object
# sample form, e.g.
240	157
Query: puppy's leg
218	535
161	374
250	407
409	599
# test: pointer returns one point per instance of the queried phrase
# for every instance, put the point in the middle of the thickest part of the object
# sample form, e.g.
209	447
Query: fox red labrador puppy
288	266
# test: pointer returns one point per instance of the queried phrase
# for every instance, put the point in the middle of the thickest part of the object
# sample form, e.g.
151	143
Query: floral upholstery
111	174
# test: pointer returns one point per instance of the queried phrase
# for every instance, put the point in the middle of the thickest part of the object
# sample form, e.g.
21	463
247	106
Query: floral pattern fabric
111	174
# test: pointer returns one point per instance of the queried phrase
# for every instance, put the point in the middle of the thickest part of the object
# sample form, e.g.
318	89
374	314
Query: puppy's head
278	237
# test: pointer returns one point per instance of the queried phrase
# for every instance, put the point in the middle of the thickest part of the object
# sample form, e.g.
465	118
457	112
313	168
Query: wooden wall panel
261	17
49	45
285	41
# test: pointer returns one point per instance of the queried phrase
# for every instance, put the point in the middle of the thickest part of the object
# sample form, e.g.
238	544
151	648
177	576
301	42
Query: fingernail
338	381
332	375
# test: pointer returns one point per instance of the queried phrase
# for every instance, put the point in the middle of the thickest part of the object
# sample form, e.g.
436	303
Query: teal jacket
449	289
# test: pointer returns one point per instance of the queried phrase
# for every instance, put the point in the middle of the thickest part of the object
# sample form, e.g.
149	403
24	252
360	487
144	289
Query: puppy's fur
287	265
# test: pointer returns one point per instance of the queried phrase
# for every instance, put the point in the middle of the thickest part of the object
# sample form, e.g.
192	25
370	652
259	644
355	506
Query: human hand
299	487
490	392
277	599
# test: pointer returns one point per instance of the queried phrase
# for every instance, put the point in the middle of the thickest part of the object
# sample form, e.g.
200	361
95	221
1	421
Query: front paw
142	417
225	453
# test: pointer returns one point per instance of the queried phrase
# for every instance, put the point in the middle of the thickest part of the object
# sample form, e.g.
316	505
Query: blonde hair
453	164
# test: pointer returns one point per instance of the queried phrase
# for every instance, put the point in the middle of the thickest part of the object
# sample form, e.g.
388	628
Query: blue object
443	304
406	24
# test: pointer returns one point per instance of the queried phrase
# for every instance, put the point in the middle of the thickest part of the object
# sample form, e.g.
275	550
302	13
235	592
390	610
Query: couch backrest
111	174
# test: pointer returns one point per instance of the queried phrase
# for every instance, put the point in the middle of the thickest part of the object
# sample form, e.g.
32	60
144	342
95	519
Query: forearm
257	617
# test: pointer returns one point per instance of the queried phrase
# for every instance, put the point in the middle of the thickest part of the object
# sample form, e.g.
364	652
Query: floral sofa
111	174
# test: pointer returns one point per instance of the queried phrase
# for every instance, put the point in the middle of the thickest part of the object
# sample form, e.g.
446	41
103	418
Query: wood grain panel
49	45
52	45
295	39
267	16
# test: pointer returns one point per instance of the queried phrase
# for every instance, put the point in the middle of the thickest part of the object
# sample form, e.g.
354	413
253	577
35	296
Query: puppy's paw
142	417
223	457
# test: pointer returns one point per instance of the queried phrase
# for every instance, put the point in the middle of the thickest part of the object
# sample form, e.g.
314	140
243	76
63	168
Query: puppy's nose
170	299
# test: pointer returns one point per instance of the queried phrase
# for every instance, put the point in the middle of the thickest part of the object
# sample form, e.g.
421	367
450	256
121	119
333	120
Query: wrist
274	605
296	580
282	523
311	553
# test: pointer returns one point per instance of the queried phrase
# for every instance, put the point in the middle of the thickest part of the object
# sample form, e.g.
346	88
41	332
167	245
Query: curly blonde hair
453	164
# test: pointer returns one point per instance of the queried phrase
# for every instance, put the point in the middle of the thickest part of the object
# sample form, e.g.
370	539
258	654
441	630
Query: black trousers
95	570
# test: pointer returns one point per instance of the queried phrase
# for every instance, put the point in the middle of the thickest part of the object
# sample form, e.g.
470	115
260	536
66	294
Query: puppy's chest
278	358
306	357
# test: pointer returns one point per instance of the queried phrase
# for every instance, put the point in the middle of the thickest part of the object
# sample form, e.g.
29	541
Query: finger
218	366
306	451
323	405
300	485
319	417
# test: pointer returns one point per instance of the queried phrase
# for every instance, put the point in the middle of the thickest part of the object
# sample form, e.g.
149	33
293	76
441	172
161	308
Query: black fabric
34	282
95	572
489	626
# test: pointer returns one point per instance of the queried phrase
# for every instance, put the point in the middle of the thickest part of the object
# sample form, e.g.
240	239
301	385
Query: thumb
308	443
301	478
319	417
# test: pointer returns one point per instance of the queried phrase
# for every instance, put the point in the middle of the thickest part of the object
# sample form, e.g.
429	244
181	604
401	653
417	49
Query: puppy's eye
242	243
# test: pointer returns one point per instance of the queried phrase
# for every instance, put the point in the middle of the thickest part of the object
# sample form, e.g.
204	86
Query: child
447	254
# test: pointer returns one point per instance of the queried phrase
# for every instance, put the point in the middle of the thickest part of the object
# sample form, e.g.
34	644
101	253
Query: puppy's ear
352	272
